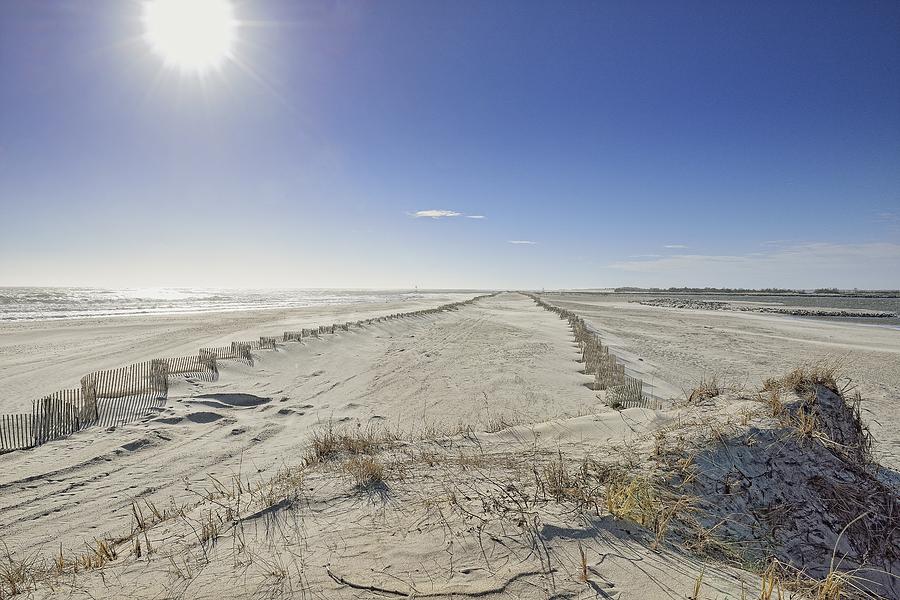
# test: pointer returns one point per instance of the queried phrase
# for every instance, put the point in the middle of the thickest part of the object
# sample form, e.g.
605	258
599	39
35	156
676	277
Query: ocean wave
42	304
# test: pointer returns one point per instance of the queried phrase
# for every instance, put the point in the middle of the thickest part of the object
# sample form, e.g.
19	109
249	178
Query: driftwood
413	593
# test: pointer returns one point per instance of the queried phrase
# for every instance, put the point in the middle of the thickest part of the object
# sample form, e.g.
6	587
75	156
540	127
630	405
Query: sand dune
677	348
458	454
478	366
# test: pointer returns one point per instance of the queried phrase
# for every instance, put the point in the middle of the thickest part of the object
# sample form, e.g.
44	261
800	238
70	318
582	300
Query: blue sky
634	143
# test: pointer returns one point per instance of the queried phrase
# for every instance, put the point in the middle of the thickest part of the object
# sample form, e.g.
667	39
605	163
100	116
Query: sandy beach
488	445
40	357
676	348
270	326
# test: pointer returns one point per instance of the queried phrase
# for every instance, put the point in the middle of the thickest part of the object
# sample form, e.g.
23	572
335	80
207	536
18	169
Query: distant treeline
763	291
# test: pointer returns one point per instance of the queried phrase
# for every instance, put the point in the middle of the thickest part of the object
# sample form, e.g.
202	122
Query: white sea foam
32	304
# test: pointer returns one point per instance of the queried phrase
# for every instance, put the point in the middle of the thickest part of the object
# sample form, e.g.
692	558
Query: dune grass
365	471
331	441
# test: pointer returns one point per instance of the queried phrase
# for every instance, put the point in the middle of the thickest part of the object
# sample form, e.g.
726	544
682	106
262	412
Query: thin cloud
436	214
675	246
439	213
523	242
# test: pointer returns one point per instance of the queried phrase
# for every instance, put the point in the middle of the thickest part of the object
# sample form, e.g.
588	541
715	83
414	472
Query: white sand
455	515
679	347
40	357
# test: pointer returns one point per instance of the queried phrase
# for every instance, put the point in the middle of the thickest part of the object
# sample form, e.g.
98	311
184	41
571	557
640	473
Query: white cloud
436	214
675	246
525	242
798	265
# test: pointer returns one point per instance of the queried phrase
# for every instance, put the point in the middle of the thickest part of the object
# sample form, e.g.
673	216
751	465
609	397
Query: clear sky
628	143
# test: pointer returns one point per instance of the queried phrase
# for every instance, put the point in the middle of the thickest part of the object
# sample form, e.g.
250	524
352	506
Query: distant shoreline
26	305
815	312
873	294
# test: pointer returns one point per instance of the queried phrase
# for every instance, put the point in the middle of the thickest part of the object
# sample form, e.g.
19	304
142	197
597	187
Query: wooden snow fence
16	431
243	351
106	398
203	367
299	336
55	416
592	352
267	343
627	394
61	414
116	396
127	393
622	390
240	351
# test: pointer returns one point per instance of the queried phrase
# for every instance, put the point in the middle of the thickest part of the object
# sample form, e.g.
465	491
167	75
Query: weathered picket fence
52	417
105	398
622	390
200	367
16	431
268	343
241	351
627	394
113	397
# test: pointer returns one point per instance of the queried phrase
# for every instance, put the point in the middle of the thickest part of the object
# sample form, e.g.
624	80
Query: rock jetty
778	310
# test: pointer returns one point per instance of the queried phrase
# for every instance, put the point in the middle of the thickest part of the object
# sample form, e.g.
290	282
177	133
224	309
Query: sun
191	35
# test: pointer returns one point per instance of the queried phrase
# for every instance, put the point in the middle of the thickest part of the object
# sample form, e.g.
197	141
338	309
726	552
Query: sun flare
191	35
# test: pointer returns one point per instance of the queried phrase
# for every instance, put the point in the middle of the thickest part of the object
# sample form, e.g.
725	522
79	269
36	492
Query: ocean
45	303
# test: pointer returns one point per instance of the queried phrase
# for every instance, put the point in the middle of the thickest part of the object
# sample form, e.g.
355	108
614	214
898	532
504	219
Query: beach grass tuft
365	471
332	441
709	387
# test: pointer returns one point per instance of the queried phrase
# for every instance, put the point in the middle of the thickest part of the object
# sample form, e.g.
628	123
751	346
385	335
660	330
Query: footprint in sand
132	446
230	400
203	417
